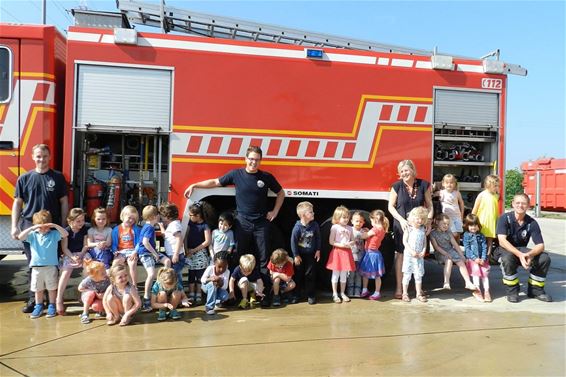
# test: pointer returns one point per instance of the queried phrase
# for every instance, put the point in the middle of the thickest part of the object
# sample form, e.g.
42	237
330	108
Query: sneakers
311	300
293	299
99	315
84	319
210	311
365	293
146	308
162	315
174	314
376	296
253	299
51	311
243	304
276	300
37	311
29	306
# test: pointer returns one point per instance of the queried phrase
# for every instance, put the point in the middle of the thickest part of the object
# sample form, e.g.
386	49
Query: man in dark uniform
252	186
40	188
514	230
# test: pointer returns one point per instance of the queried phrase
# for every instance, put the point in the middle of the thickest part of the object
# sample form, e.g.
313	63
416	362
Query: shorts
147	260
44	277
69	264
284	284
126	252
252	287
195	276
456	225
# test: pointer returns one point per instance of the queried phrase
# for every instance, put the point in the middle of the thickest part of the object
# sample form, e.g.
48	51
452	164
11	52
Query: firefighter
514	230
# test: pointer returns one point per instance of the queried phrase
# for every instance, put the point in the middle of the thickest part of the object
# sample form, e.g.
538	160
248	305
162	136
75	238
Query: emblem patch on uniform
50	185
524	234
260	183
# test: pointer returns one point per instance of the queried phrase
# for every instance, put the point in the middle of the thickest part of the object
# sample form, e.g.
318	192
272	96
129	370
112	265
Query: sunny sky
528	33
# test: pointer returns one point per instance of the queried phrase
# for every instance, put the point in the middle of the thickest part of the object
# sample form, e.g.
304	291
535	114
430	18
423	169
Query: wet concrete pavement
452	334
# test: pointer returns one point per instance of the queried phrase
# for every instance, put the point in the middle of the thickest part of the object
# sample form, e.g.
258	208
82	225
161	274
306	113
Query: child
100	238
414	239
92	289
43	262
248	279
305	246
125	237
475	249
485	207
452	204
223	237
147	253
340	260
354	283
74	248
121	300
372	266
172	237
196	244
215	282
280	268
449	251
167	293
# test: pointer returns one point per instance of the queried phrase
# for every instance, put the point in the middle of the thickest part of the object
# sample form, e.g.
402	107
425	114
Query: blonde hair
74	214
247	262
115	270
340	212
99	211
448	177
380	217
419	213
92	267
149	211
167	276
491	181
408	163
129	209
41	217
41	147
302	207
279	256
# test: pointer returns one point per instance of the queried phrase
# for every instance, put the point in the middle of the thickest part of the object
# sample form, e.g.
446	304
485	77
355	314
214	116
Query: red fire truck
146	114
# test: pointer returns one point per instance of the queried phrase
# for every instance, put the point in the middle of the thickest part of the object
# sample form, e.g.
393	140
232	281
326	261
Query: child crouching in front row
92	289
167	293
248	279
43	263
280	268
121	300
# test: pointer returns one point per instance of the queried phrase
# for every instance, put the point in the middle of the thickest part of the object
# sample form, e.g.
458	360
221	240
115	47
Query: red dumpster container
552	182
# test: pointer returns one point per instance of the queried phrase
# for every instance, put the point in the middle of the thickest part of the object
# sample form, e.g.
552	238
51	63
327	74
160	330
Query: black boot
513	293
538	293
28	307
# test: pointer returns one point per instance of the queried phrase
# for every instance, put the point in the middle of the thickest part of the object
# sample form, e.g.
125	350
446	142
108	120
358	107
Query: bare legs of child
478	295
63	281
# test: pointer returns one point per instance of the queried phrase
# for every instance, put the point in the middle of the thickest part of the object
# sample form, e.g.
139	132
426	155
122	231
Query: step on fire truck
146	114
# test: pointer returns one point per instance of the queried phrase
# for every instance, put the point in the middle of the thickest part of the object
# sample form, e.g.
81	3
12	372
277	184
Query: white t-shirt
170	240
210	272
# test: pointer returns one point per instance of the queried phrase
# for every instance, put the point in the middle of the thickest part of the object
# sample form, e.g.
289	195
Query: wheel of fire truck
387	250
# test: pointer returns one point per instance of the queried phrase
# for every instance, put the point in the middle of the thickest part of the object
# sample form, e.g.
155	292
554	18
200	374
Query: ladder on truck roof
180	20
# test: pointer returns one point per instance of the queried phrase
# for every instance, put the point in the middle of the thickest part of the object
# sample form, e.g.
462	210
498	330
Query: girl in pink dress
340	260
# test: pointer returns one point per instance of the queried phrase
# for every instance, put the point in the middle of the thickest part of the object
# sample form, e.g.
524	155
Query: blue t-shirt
43	248
253	277
147	231
251	191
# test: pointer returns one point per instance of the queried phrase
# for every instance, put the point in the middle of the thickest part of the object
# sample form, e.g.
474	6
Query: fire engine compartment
117	169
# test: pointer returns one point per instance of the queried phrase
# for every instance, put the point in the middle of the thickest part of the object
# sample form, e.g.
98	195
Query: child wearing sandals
414	239
167	293
74	248
121	300
449	251
92	289
340	260
372	266
475	250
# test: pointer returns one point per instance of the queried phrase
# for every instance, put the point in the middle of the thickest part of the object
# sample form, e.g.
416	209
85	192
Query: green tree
513	185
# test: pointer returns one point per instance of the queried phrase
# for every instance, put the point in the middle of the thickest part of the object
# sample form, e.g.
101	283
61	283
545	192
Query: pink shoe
375	297
364	294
